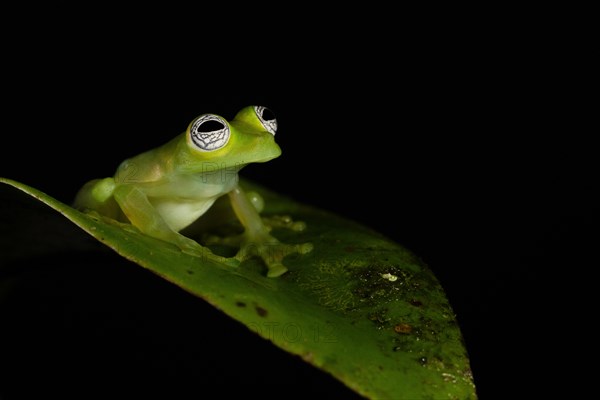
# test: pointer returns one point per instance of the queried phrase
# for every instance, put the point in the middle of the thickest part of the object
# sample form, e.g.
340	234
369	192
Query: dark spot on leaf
416	303
403	328
240	304
190	272
261	311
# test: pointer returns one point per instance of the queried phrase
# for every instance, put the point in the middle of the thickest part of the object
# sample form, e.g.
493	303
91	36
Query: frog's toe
284	221
276	269
304	248
233	241
273	256
271	252
298	226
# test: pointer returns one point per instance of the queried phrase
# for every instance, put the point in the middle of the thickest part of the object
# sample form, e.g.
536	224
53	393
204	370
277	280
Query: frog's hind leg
144	216
97	195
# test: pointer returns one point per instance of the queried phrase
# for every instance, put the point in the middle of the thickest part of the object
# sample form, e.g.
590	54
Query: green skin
164	190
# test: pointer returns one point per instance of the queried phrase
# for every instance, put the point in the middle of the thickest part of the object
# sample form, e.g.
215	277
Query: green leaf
359	306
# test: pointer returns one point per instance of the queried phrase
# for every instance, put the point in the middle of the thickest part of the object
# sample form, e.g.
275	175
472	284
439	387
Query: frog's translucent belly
179	214
189	196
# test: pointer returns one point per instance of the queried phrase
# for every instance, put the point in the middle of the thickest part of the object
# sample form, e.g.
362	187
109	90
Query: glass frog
164	190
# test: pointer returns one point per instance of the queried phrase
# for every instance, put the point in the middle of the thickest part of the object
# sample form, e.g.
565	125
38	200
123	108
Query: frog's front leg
141	213
256	240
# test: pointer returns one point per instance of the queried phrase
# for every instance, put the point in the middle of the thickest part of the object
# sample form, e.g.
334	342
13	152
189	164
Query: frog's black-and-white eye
210	132
267	119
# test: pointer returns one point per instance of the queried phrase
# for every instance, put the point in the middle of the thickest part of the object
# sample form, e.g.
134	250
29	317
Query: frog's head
248	138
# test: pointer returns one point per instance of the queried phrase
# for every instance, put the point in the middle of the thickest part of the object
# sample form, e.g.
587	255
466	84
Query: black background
466	145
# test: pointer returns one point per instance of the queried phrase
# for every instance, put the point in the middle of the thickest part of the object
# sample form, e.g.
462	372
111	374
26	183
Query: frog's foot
283	221
269	223
271	251
193	248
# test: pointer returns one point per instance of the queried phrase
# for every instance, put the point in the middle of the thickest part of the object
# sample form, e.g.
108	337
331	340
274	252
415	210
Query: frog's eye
267	119
210	132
